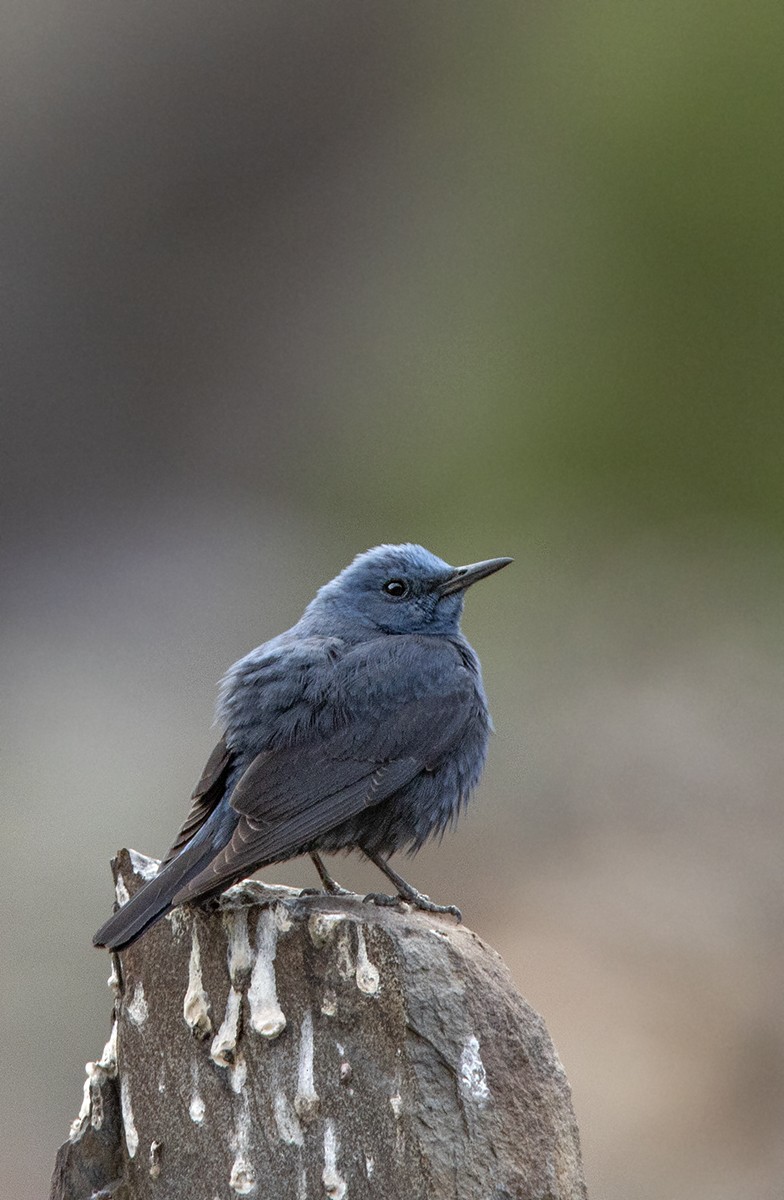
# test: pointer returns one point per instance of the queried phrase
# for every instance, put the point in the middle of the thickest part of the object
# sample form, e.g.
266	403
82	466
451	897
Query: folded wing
288	799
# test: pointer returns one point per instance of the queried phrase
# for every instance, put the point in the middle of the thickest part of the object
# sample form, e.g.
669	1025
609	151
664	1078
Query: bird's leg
331	887
405	891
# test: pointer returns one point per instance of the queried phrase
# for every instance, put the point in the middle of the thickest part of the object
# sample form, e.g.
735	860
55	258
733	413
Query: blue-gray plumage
365	726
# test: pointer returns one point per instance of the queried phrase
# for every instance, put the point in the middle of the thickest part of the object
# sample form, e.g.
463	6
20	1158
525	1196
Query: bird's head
399	589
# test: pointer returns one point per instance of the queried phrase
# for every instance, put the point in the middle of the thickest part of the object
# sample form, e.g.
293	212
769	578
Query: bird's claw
382	900
417	900
335	890
338	890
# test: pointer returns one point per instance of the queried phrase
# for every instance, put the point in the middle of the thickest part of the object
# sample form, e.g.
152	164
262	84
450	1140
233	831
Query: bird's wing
290	797
206	795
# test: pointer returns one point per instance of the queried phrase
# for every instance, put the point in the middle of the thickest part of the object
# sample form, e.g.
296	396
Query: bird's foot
338	890
419	900
382	900
335	890
416	900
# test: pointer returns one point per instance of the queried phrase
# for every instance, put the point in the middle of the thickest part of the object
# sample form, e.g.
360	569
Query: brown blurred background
282	281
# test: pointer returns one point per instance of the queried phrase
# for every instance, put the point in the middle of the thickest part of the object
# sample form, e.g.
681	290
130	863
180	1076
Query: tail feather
152	901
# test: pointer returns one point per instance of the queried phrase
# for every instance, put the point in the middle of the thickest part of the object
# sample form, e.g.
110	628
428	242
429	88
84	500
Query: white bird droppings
155	1159
114	981
224	1044
242	1179
131	1136
137	1008
108	1060
369	1165
329	1005
306	1101
196	1005
334	1183
472	1077
92	1098
238	1074
266	1015
240	955
322	926
344	960
366	974
289	1128
142	865
178	921
196	1108
121	891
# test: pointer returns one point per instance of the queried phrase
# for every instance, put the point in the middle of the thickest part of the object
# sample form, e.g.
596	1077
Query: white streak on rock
240	955
345	963
224	1044
121	891
243	1177
369	1165
178	920
142	865
131	1136
196	1005
289	1128
396	1100
137	1008
329	1005
322	926
306	1101
334	1183
367	974
108	1060
282	918
113	982
302	1185
238	1073
266	1015
92	1096
80	1121
155	1159
472	1077
196	1108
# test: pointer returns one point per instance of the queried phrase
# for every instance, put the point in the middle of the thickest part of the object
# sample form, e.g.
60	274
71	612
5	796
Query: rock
285	1045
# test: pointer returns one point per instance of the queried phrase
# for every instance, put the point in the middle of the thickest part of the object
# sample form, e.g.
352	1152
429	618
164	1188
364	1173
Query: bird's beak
462	577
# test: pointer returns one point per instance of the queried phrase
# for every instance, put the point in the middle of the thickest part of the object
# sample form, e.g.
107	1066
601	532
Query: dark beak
463	577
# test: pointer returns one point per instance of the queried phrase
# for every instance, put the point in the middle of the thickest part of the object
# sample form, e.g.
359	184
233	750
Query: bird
363	727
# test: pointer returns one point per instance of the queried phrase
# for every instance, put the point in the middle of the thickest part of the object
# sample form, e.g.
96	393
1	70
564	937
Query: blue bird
364	726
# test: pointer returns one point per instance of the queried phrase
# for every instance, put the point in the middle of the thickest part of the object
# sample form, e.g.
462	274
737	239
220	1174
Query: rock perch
313	1047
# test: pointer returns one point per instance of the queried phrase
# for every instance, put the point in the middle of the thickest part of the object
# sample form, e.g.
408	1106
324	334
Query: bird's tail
153	900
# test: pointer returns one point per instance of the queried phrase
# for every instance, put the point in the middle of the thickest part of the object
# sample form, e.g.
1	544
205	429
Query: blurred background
282	281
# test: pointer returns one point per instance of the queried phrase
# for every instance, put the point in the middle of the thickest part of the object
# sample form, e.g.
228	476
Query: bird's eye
398	588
